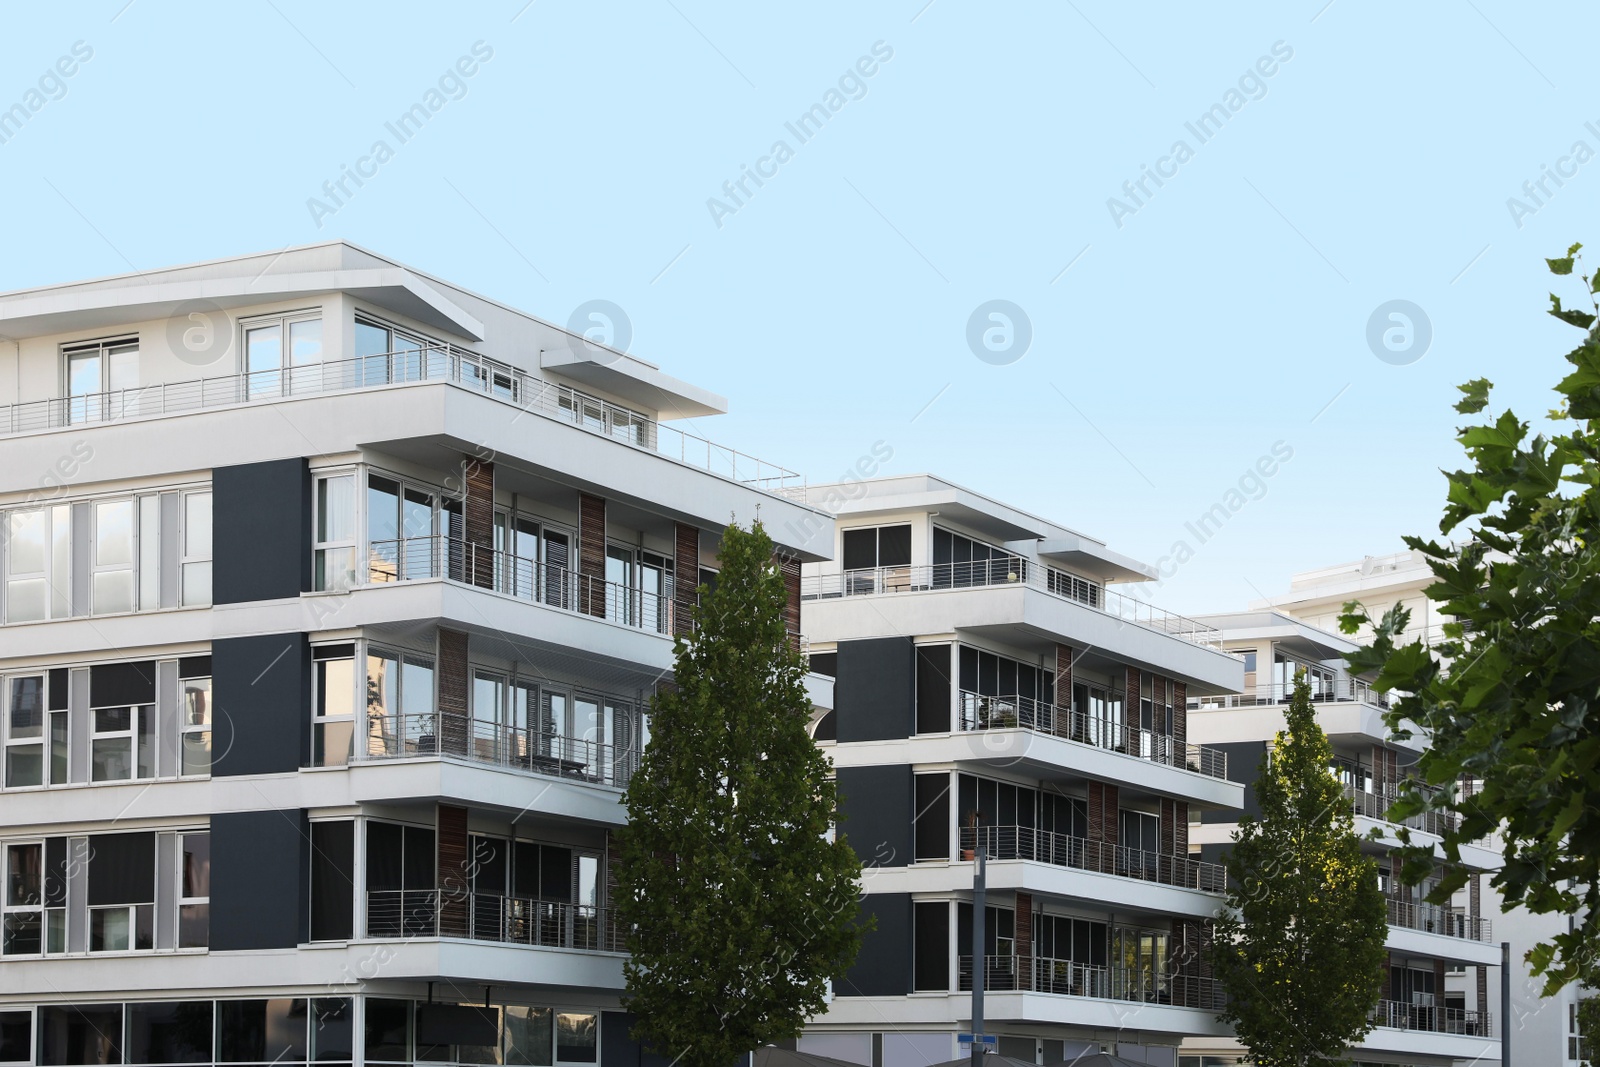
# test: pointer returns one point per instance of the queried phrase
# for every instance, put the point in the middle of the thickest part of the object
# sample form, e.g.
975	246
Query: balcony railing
979	712
1436	919
1016	973
1013	571
413	558
431	363
443	734
1375	805
1398	1015
421	913
1340	689
1062	850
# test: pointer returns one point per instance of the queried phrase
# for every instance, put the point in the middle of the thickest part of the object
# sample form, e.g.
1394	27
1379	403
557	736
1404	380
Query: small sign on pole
990	1043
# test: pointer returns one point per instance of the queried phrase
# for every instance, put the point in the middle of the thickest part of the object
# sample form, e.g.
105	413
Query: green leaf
1560	266
1477	397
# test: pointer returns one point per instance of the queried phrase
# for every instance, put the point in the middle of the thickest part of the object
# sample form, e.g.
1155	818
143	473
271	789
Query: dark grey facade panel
878	811
1244	760
258	879
883	969
875	691
618	1047
261	530
261	693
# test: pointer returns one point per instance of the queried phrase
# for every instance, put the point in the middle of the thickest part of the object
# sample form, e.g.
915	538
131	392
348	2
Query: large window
283	355
333	880
401	876
194	720
122	746
99	376
39	564
25	737
402	520
333	705
960	561
122	892
335	541
112	557
877	559
388	354
24	899
400	704
194	889
195	554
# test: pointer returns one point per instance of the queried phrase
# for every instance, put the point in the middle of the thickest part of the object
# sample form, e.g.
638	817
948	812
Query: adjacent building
986	661
1437	1007
333	596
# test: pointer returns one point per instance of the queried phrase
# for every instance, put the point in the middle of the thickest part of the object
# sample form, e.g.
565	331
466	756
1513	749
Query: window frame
329	653
184	899
142	718
187	728
323	547
95	406
130	567
286	378
8	908
56	556
188	559
41	741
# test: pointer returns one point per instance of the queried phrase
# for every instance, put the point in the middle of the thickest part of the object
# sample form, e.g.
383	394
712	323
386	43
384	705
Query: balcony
1375	805
1435	919
419	558
1421	1015
1012	572
417	913
1062	850
978	712
433	363
1026	974
439	734
1341	690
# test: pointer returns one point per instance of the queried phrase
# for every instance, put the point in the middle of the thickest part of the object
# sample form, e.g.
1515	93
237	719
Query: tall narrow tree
1299	945
739	901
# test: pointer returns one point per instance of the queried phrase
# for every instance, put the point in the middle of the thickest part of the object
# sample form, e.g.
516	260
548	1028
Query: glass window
102	380
16	1036
576	1037
194	897
264	360
388	1031
39	564
113	557
333	713
72	1034
195	722
267	373
24	900
335	553
261	1031
25	731
333	1036
170	1032
122	743
530	1036
196	549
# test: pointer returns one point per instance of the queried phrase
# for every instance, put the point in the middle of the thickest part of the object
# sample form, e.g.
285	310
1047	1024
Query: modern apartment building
333	596
1541	1029
1439	1007
985	661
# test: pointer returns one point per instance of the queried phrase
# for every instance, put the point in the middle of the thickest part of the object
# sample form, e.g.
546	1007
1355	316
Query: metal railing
429	363
542	752
437	556
978	712
1013	571
1341	689
1398	1015
1019	973
421	913
1063	850
1375	805
1436	919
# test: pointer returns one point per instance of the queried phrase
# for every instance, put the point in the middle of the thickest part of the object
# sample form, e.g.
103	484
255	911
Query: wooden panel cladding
1063	693
1180	828
592	554
1130	709
789	567
1104	803
454	870
1180	713
1023	914
686	575
453	690
477	507
1168	820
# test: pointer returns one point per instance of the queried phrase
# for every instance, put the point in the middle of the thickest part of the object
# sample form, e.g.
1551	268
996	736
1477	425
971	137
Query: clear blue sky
1227	311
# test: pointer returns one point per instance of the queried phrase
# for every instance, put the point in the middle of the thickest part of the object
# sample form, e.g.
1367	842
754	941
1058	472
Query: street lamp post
979	903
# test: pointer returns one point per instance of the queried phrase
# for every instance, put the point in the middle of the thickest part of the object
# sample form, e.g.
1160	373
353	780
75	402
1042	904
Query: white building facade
333	596
985	662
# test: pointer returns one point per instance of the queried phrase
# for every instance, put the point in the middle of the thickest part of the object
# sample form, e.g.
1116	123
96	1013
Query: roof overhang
42	312
630	378
1095	559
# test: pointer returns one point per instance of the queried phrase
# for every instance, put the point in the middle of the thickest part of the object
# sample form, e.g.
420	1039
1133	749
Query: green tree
740	907
1299	945
1511	697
